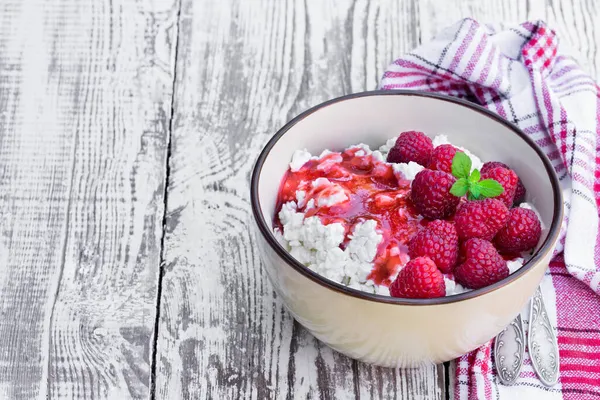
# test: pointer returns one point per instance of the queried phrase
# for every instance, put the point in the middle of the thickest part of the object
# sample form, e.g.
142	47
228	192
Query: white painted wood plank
244	69
85	91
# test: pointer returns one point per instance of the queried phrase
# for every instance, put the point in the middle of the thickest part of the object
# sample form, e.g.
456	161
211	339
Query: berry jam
373	191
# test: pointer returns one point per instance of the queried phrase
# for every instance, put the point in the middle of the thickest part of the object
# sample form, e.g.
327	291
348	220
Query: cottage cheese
318	247
330	193
345	251
452	287
361	146
362	249
514	265
299	158
310	242
408	171
385	149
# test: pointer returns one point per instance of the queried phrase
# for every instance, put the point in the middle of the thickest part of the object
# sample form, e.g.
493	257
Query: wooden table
128	130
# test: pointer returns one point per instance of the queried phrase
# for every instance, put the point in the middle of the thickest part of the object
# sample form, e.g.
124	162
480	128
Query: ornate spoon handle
509	348
543	347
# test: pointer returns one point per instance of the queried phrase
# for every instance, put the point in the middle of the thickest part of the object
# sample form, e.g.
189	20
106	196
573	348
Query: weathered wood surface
86	92
85	100
222	332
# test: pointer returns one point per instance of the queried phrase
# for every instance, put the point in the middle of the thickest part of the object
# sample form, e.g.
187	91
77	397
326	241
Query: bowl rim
267	231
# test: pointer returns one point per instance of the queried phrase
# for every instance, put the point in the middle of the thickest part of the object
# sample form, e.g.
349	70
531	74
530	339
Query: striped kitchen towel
518	73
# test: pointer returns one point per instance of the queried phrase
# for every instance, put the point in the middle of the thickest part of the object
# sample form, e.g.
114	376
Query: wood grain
262	63
243	69
86	92
85	99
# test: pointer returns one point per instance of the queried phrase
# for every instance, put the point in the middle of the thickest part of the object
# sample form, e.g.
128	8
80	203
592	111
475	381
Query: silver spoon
509	347
542	343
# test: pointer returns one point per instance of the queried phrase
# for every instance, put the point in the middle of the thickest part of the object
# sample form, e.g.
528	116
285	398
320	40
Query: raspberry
492	164
481	266
411	146
430	193
521	233
438	241
520	192
508	179
441	158
419	279
480	219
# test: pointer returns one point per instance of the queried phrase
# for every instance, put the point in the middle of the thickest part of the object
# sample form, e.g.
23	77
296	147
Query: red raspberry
441	158
520	192
419	279
480	219
430	193
492	164
482	265
508	179
411	146
521	233
438	241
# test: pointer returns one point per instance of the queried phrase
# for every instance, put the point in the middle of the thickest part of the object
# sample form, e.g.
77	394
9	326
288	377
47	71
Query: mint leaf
460	187
475	176
461	165
490	188
475	190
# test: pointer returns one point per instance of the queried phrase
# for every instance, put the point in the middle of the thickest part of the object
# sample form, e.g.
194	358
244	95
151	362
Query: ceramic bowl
384	330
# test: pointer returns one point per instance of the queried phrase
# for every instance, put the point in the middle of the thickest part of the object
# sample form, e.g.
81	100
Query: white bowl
384	330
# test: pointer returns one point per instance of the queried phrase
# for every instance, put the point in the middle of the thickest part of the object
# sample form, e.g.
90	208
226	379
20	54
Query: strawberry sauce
372	190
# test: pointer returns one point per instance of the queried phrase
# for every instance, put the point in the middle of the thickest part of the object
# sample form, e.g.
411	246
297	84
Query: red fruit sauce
374	192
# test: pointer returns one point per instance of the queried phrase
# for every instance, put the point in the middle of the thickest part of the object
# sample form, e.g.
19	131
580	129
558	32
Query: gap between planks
164	216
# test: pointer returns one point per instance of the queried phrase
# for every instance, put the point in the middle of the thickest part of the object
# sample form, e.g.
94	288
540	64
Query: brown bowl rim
267	233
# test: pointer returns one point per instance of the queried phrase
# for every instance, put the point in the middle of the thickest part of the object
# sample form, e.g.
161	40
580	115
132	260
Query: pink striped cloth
518	73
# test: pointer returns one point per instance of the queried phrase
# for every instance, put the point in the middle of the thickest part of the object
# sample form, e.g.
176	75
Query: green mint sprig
469	183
